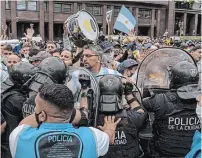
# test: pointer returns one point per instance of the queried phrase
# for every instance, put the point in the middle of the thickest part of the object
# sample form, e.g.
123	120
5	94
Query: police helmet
183	73
54	68
21	72
111	91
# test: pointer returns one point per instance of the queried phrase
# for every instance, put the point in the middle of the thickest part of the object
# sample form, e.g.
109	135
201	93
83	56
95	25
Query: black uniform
50	70
11	108
126	143
12	99
28	106
2	119
174	125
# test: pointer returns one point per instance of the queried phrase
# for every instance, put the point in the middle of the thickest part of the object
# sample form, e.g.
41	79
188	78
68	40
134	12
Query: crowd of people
50	107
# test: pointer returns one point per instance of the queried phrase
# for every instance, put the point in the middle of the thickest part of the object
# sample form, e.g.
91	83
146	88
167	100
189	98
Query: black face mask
37	118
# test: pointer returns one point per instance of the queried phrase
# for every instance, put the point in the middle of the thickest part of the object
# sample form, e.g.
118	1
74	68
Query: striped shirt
106	71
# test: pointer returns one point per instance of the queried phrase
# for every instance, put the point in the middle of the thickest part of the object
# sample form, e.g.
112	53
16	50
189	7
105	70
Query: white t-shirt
101	139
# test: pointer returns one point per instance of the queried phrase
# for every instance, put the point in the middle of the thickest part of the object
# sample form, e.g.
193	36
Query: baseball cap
40	56
131	46
126	64
106	45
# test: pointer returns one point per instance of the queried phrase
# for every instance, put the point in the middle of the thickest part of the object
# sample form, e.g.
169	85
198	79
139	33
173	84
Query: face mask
199	112
37	118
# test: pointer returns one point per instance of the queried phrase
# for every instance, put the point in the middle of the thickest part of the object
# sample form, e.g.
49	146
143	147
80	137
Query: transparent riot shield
153	71
72	82
153	77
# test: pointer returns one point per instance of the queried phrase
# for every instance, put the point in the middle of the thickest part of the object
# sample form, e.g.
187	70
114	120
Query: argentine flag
125	21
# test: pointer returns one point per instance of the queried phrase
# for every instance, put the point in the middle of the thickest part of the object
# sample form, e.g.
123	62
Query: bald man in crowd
12	60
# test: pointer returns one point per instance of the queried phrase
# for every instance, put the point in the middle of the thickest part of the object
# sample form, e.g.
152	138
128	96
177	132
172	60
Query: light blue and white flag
125	21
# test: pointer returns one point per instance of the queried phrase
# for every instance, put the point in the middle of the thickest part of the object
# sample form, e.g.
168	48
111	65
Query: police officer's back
12	97
126	139
175	117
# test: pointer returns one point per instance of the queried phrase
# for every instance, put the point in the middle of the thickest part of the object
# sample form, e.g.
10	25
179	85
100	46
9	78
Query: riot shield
153	72
72	82
153	78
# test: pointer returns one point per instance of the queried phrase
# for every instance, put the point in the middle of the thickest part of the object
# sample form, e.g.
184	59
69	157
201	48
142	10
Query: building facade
152	17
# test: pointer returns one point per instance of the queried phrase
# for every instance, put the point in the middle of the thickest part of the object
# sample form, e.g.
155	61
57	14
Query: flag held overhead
125	21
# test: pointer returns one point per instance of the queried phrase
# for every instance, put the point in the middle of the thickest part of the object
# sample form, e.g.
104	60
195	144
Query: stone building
152	17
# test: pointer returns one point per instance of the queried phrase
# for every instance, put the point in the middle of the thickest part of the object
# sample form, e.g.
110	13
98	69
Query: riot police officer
126	142
175	117
12	98
50	70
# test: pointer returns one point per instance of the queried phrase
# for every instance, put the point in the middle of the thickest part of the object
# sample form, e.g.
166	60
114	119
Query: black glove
128	88
84	81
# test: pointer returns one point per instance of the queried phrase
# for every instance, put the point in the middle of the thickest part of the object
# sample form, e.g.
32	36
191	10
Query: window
57	7
45	6
144	14
31	5
79	7
116	11
89	9
67	8
97	10
147	14
108	8
141	14
8	4
21	5
156	14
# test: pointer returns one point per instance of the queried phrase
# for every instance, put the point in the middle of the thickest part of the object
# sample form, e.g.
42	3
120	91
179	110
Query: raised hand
110	127
30	33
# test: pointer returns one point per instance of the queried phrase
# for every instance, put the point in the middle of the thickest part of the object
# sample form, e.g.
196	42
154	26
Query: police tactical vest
174	132
126	138
56	140
12	121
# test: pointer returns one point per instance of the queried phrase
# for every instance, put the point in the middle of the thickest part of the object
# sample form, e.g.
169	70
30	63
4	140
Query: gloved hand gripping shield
82	78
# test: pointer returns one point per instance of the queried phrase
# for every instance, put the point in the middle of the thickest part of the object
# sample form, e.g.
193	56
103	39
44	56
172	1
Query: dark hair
196	47
51	42
57	95
33	51
68	51
8	48
55	50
